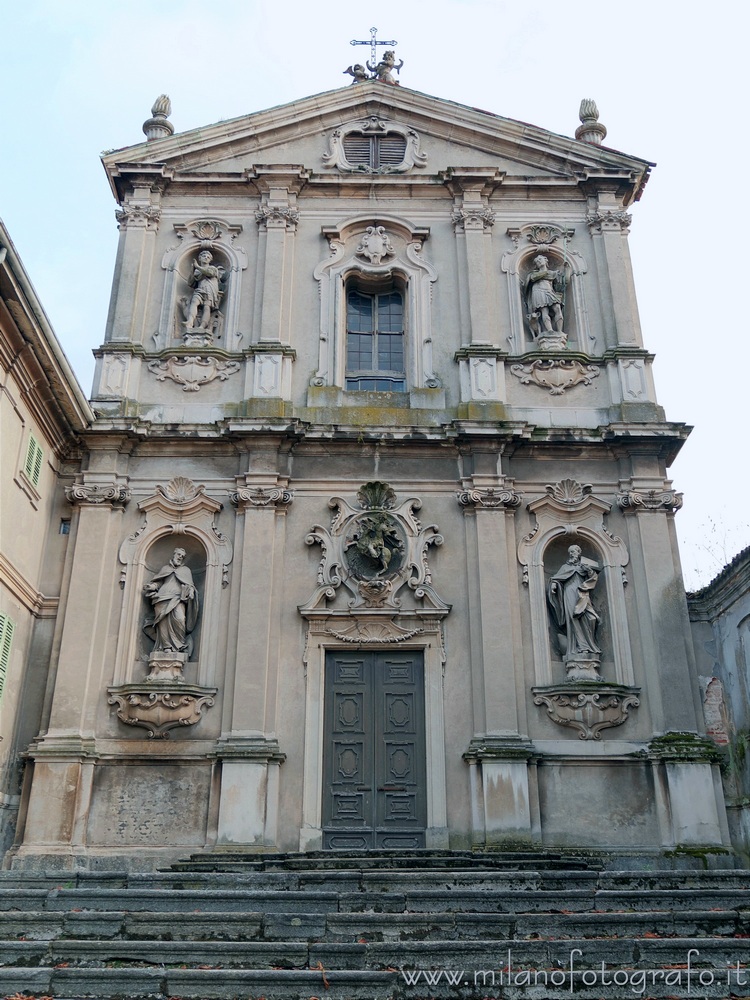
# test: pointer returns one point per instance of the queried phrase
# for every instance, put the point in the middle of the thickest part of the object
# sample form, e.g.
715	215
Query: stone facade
373	542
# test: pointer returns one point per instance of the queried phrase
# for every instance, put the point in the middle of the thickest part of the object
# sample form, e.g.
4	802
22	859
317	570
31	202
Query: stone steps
357	931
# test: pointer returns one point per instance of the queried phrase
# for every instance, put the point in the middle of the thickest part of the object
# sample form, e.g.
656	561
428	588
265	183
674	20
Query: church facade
371	542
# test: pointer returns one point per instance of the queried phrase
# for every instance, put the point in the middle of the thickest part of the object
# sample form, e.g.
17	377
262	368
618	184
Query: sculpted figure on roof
384	69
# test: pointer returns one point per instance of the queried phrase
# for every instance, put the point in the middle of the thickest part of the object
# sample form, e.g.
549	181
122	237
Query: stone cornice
32	599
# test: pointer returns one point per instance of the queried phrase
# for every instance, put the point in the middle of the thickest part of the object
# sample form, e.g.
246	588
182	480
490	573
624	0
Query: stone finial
159	126
591	129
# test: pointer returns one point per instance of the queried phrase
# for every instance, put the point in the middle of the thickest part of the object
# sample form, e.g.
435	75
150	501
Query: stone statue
175	602
206	298
544	298
376	546
358	72
573	615
384	69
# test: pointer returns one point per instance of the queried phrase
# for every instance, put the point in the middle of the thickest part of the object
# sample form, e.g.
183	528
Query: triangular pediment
450	136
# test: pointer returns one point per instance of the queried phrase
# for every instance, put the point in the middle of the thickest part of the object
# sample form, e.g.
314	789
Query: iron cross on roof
373	43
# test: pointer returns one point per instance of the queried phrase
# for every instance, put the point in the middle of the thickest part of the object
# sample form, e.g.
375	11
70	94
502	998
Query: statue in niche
574	616
544	290
175	600
205	280
384	69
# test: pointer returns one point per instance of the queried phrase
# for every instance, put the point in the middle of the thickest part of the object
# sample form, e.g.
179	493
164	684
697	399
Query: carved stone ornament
193	371
375	244
473	218
543	235
138	217
375	550
588	708
247	497
663	500
335	155
111	494
159	706
556	375
569	492
490	497
277	217
609	221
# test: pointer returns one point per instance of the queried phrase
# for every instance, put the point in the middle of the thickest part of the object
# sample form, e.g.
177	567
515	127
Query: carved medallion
557	375
375	244
193	371
374	550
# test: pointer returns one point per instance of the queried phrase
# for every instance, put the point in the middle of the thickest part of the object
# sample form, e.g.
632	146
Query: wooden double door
374	769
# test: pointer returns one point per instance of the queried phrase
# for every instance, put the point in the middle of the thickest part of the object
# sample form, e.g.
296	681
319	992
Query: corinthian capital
473	218
138	217
602	222
277	217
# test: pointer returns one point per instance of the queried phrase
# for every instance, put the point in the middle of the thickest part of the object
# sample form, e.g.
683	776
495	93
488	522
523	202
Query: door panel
374	769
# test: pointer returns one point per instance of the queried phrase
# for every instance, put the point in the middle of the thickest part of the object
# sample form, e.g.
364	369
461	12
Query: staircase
377	926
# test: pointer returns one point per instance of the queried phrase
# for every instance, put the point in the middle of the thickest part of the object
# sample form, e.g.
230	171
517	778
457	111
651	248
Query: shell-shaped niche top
180	489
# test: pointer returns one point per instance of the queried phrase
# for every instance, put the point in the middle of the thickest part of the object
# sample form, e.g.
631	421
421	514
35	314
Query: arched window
375	340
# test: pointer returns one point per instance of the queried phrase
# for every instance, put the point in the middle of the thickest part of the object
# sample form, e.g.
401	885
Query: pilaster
138	219
609	225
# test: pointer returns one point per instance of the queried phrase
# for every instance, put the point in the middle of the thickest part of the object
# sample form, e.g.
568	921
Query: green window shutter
34	459
7	627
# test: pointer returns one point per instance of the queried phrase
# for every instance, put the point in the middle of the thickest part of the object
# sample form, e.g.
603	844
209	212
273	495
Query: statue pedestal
198	337
552	342
586	706
159	706
582	670
166	667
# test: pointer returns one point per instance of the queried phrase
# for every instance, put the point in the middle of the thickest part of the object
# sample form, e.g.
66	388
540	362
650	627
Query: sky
80	78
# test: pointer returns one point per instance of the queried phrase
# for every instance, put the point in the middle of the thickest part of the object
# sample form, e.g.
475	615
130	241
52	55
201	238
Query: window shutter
7	627
391	149
32	467
357	149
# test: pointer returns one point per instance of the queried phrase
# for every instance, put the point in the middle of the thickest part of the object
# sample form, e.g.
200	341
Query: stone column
248	749
498	752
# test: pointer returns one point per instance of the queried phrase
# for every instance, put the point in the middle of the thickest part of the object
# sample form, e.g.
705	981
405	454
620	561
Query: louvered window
375	341
7	628
374	151
32	467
